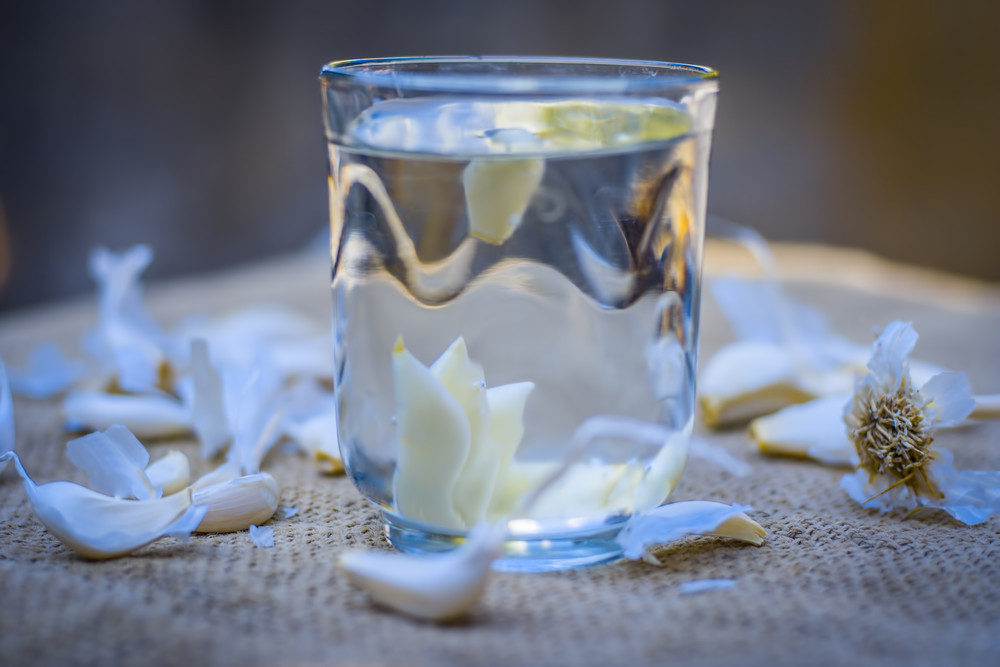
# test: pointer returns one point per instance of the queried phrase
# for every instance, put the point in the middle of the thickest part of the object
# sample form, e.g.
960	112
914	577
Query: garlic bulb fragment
148	415
813	430
435	587
674	521
97	526
497	194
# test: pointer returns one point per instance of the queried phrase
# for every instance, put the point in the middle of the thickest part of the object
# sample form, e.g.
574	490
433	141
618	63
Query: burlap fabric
833	584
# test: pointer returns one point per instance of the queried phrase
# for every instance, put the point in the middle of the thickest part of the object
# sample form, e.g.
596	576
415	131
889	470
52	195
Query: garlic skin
97	526
435	587
115	463
675	521
237	503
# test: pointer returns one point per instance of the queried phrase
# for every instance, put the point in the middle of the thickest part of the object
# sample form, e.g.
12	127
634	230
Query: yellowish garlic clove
812	430
98	526
317	435
497	194
436	587
236	503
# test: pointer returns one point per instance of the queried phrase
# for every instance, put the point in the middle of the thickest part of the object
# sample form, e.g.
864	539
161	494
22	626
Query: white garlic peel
675	521
456	437
97	526
6	412
497	194
115	463
435	587
208	412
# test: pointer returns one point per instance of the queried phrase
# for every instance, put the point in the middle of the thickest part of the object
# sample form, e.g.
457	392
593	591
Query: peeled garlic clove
674	521
436	587
237	503
506	430
497	193
98	526
466	382
813	430
115	463
171	472
747	379
434	437
145	415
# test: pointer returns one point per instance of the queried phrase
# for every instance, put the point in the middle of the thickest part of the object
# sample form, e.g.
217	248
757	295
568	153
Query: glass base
528	551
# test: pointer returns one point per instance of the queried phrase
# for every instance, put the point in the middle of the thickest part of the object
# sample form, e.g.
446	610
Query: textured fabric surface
833	584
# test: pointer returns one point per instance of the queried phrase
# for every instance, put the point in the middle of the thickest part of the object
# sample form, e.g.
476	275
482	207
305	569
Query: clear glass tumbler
516	247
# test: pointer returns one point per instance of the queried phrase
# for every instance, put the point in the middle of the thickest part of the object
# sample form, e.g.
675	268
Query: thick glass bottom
533	547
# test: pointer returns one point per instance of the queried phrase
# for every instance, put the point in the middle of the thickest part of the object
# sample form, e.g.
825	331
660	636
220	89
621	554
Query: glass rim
379	72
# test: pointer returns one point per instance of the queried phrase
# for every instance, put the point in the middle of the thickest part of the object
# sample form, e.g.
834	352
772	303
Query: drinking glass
516	247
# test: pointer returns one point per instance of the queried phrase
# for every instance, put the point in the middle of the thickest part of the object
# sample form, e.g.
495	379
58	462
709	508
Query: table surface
833	583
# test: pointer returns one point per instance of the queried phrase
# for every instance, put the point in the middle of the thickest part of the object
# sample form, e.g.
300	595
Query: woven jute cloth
833	584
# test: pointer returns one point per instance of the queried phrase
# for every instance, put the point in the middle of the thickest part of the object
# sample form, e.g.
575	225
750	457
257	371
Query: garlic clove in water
434	437
813	430
97	526
436	587
497	194
674	521
465	381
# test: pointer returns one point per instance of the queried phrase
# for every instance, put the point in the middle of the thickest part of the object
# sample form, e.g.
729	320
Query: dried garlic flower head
892	434
891	423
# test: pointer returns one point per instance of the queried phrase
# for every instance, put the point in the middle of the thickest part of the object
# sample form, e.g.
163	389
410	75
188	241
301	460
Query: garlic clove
436	587
747	379
497	194
171	472
466	382
434	438
236	503
674	521
813	430
151	416
506	430
115	463
97	526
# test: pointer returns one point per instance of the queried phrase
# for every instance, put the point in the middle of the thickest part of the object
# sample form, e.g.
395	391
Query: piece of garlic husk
674	521
6	412
436	587
98	526
236	503
49	372
115	463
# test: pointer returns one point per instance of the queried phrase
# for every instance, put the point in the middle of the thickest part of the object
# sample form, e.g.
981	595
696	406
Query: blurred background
195	126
